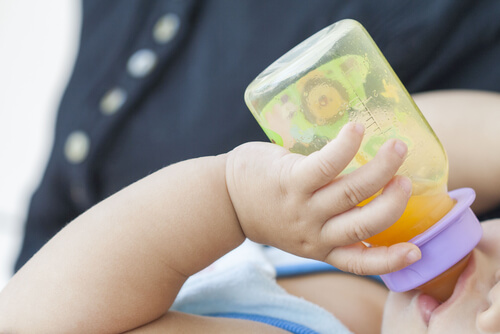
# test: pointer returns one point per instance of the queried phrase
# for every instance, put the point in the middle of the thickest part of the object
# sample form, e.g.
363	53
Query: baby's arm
467	123
121	264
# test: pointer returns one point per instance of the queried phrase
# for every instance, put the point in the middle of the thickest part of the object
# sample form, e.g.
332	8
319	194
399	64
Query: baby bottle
337	76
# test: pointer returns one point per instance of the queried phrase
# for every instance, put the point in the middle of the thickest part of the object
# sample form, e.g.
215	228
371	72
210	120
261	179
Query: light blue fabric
314	267
287	265
292	327
244	283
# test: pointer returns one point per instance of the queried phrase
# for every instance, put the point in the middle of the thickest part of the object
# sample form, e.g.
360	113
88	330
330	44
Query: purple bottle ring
442	245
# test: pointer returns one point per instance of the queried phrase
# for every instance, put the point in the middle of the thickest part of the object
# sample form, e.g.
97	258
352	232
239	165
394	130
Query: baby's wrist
230	179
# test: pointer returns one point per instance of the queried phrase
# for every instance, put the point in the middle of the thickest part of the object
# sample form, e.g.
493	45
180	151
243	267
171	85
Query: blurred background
38	44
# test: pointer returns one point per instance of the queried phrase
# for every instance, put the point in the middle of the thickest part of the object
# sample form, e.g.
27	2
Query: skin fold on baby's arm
121	264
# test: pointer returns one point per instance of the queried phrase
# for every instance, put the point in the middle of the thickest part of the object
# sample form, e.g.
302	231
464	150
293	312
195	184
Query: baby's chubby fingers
321	167
349	190
362	260
361	223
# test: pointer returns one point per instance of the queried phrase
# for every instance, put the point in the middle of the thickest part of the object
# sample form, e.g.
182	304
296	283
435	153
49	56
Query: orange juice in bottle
337	76
422	211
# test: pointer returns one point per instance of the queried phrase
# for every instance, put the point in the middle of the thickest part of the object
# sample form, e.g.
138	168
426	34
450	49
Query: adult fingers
360	223
362	260
321	167
350	190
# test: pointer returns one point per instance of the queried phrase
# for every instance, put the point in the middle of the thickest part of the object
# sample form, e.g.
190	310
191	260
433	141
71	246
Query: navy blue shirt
156	82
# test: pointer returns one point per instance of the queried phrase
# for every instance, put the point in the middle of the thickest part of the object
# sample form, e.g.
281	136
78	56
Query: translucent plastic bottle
337	76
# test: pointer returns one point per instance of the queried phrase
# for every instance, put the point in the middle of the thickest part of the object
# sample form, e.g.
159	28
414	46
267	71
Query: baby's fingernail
400	148
405	184
413	256
359	128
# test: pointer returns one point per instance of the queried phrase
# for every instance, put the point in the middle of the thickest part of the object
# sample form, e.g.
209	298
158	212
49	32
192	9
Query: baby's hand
301	205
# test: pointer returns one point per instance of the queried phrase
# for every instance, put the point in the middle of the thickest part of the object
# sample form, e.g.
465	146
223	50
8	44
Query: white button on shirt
166	28
77	147
112	101
141	63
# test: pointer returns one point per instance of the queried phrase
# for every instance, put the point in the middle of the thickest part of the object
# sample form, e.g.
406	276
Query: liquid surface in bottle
422	211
